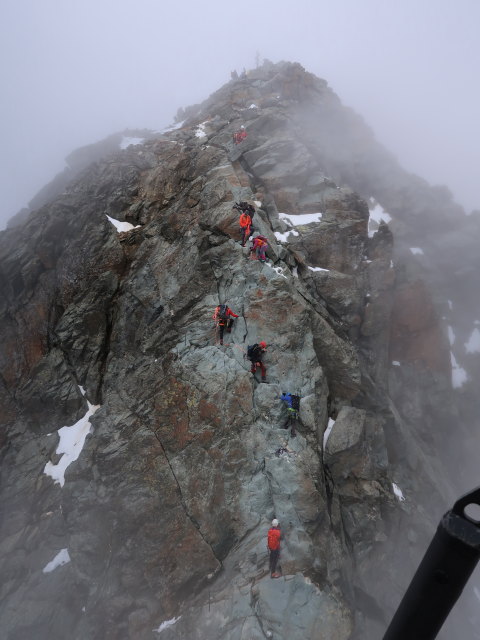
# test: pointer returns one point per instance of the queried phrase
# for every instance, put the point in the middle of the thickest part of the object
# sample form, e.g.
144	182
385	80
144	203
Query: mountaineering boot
264	379
276	575
221	343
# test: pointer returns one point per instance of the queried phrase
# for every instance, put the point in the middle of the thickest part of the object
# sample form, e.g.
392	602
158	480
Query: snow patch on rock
200	130
296	220
377	214
459	375
71	444
278	270
473	343
60	559
328	431
451	336
398	492
283	237
416	251
166	624
122	226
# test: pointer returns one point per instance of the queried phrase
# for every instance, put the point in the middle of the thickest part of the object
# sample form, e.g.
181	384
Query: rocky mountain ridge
164	513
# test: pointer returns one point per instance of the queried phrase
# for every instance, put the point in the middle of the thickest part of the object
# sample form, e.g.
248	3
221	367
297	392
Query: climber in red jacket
239	136
222	319
273	545
245	226
259	246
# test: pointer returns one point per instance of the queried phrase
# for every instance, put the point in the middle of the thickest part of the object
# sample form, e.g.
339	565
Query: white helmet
274	522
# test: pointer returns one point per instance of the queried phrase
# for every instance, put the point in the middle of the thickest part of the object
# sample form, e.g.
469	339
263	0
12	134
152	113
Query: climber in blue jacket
293	407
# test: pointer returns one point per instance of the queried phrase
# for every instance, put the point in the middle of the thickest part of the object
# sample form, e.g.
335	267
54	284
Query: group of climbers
223	318
259	243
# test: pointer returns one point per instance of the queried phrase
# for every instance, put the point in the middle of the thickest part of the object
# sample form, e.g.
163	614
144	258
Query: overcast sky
74	71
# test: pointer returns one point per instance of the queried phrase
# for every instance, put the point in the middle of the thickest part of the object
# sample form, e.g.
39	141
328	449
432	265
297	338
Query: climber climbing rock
259	247
239	136
222	319
293	407
273	545
245	227
255	354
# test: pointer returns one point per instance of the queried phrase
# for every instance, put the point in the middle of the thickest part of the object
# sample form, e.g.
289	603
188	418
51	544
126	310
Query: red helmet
262	344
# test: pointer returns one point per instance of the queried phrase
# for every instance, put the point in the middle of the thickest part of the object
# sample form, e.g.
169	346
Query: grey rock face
166	508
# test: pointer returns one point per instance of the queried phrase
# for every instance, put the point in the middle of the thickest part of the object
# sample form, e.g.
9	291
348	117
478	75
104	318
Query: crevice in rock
246	324
329	487
253	607
101	586
338	326
105	347
183	503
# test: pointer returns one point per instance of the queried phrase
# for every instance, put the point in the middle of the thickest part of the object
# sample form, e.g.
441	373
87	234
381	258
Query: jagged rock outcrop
165	509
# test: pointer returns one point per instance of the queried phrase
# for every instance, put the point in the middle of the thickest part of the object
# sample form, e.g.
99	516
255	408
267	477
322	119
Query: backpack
295	402
246	207
252	351
222	313
245	218
273	539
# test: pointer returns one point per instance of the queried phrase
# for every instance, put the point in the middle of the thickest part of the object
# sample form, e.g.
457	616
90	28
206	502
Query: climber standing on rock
255	354
293	407
259	247
245	227
273	545
223	318
239	136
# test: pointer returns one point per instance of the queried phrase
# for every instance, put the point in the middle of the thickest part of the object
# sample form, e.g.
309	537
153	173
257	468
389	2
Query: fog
73	72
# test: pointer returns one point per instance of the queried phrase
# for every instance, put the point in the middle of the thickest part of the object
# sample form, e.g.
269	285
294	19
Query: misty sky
74	71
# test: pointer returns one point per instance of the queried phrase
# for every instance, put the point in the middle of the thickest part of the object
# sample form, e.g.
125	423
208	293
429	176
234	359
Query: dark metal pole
444	571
